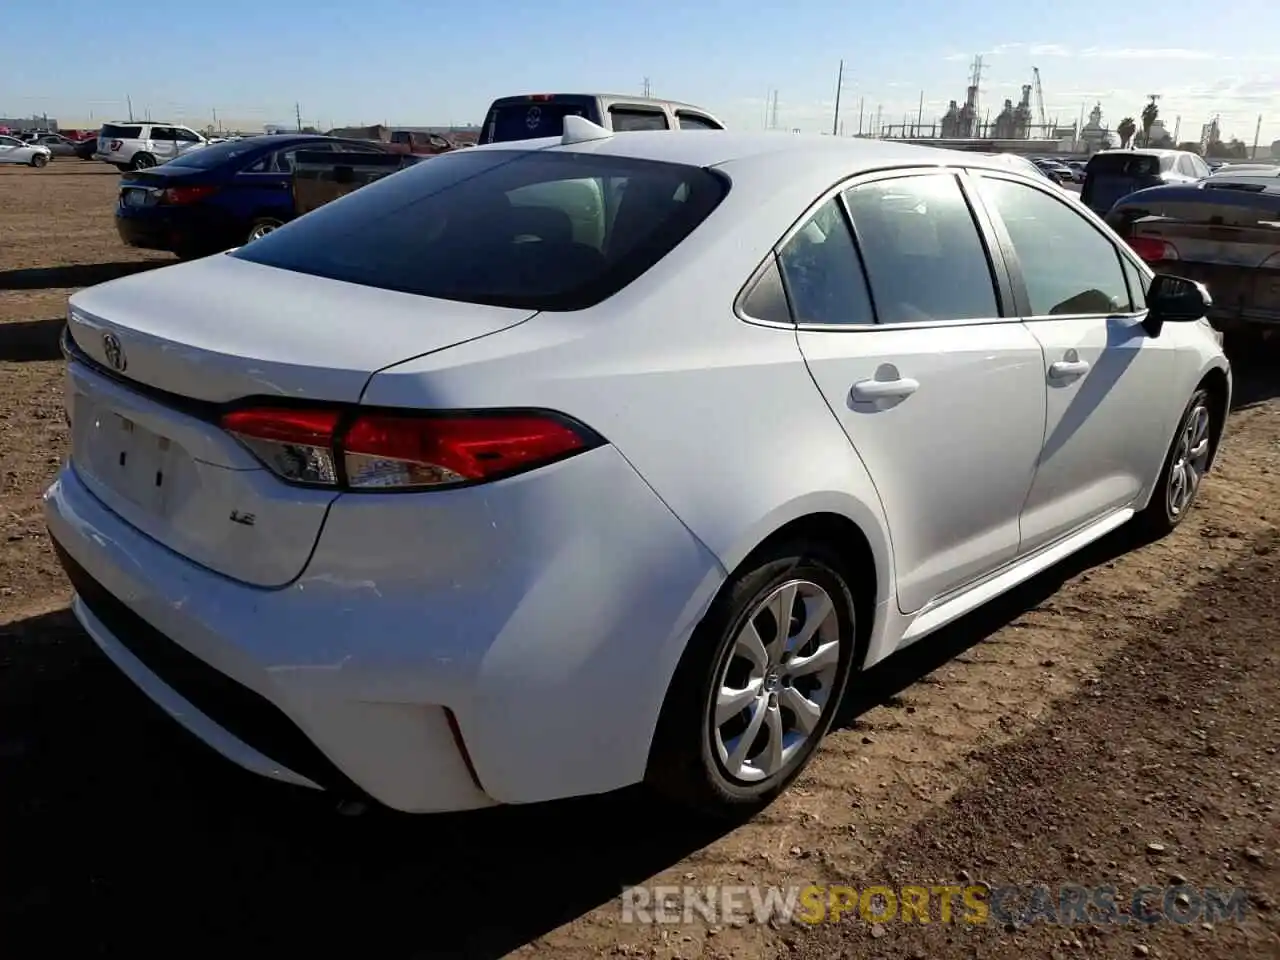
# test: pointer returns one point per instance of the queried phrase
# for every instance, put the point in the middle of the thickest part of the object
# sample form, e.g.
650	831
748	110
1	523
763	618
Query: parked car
1077	169
59	146
463	490
218	197
140	146
1113	174
13	150
86	149
1054	170
542	115
1025	166
1224	232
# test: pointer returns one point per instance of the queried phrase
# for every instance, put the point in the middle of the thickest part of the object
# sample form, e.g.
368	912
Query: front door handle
865	390
1069	368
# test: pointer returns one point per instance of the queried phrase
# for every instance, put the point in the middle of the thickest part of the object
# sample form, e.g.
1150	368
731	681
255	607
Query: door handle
865	390
1069	368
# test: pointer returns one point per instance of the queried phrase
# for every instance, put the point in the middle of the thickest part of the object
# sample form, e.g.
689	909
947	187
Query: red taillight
116	145
390	451
542	97
1152	250
188	194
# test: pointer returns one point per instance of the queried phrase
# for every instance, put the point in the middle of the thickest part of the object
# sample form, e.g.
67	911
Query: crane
1043	121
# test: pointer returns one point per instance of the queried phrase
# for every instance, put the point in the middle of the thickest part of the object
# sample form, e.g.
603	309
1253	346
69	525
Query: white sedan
547	468
13	150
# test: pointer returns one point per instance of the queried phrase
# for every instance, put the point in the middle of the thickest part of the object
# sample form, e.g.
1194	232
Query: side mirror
1175	300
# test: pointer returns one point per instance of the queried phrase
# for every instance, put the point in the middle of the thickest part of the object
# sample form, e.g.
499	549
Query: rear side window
116	132
822	273
162	133
924	257
533	230
691	121
529	121
631	118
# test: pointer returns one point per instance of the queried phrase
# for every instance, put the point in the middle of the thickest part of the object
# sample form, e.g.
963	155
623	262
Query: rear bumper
552	656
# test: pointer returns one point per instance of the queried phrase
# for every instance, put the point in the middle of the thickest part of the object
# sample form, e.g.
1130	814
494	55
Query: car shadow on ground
1255	371
74	275
24	341
115	817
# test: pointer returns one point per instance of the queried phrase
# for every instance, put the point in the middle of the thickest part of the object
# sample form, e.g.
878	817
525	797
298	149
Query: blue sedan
220	196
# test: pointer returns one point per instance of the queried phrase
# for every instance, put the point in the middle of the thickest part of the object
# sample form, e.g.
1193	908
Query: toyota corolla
543	469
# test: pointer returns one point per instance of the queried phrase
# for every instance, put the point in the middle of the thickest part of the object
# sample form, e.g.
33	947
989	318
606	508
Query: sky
424	62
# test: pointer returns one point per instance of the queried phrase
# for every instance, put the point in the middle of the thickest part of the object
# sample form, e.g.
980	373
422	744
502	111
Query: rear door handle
1069	368
865	390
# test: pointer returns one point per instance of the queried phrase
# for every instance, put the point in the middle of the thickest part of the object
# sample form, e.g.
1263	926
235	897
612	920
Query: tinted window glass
190	136
540	231
215	155
528	121
691	121
823	276
1069	267
1139	283
767	299
161	133
924	257
115	132
625	119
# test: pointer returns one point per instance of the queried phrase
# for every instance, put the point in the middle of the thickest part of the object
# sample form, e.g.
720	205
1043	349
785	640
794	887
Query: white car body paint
547	612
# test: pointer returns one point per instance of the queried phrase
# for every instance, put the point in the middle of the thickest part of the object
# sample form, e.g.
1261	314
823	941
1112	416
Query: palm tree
1149	114
1125	131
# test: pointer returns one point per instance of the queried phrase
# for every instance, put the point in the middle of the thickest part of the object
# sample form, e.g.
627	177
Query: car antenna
582	130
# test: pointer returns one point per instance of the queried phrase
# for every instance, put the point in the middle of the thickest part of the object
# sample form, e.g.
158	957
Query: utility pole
215	120
648	90
773	120
1257	132
835	122
919	116
129	100
862	102
297	114
879	110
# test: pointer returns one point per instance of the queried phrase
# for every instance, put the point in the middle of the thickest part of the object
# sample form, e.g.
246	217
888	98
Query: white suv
137	146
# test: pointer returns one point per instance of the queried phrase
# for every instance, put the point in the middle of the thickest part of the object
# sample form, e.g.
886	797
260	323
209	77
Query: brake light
1152	250
188	194
394	451
542	97
116	145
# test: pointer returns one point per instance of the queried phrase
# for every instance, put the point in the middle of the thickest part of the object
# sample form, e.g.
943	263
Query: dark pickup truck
1223	231
320	177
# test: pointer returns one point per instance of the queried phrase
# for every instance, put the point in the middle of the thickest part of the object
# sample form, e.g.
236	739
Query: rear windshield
1125	164
115	132
528	121
216	154
535	230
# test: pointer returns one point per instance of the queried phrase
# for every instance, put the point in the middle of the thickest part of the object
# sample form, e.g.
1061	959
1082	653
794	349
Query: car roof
712	148
629	98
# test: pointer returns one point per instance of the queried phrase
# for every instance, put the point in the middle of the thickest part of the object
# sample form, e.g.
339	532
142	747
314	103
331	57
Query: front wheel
39	160
759	684
1184	469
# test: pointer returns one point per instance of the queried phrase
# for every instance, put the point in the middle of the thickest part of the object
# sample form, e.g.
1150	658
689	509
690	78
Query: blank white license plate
140	460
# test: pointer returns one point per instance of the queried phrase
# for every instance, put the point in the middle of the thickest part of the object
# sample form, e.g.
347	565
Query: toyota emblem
114	352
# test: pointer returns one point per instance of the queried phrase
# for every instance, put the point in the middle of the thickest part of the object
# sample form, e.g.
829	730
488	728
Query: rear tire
142	161
261	227
39	160
1184	469
747	707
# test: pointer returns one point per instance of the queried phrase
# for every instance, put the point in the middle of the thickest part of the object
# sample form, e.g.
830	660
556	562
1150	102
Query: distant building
29	124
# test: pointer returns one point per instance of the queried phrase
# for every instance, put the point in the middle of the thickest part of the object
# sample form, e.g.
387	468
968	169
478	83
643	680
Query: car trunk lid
157	357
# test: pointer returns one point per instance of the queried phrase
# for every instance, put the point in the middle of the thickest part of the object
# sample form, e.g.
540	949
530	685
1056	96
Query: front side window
1068	266
535	230
924	256
822	274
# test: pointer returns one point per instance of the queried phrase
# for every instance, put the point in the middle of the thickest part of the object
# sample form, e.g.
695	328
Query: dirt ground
1113	722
